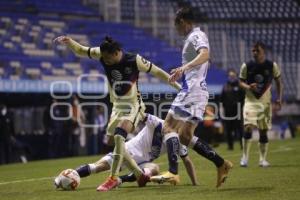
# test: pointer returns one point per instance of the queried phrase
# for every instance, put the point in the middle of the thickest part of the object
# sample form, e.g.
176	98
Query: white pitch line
26	180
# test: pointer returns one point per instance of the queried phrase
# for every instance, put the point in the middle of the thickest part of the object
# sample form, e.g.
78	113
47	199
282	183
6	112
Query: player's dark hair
109	45
259	44
185	14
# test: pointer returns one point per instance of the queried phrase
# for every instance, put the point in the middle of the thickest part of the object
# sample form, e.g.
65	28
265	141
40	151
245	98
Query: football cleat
166	177
223	172
244	162
264	163
109	184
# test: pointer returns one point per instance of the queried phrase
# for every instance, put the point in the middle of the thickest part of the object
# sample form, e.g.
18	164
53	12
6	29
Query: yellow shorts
133	112
258	114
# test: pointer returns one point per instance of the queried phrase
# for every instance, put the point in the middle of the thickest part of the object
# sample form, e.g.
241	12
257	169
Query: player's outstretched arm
78	49
146	66
190	168
202	57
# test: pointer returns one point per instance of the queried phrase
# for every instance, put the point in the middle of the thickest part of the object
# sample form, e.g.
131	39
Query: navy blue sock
206	151
128	178
172	144
83	171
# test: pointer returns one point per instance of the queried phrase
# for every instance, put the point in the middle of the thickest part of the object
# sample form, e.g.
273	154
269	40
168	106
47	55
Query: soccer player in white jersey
189	105
144	148
122	71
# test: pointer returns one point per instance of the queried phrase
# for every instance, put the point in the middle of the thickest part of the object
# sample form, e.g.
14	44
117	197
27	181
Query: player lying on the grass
122	71
147	146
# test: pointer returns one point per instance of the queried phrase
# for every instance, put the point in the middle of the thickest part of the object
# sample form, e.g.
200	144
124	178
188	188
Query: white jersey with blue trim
196	76
148	144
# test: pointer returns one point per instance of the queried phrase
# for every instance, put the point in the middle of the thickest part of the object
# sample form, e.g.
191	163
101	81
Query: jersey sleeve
276	70
243	71
183	151
199	41
153	121
143	64
94	53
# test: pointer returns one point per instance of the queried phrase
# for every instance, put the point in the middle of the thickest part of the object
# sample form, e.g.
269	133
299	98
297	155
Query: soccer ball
68	179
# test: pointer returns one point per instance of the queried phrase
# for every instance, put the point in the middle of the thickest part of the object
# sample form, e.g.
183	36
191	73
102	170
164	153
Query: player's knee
263	138
166	129
121	132
247	134
248	128
185	138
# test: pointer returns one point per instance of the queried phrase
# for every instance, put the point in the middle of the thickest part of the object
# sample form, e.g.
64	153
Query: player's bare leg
202	148
120	154
150	169
186	131
88	169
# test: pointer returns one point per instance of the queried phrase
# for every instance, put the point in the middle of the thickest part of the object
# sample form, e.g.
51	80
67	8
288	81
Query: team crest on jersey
118	87
116	75
195	41
267	73
128	70
258	78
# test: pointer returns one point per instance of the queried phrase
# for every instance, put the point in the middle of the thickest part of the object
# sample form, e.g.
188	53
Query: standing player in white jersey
189	106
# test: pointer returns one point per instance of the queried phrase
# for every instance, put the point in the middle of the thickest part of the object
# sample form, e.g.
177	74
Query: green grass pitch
33	181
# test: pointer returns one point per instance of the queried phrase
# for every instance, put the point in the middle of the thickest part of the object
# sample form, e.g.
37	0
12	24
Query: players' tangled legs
176	133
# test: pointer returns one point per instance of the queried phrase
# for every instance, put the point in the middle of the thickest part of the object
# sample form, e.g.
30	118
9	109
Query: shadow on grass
247	189
200	188
284	165
129	188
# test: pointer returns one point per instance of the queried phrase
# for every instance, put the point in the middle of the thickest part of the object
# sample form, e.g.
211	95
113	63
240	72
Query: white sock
193	142
246	148
92	168
263	150
118	155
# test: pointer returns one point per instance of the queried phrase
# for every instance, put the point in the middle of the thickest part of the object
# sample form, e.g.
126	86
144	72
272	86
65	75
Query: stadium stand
26	46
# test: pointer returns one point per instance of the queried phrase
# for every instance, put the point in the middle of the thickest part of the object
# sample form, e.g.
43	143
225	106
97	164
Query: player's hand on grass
176	74
62	40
